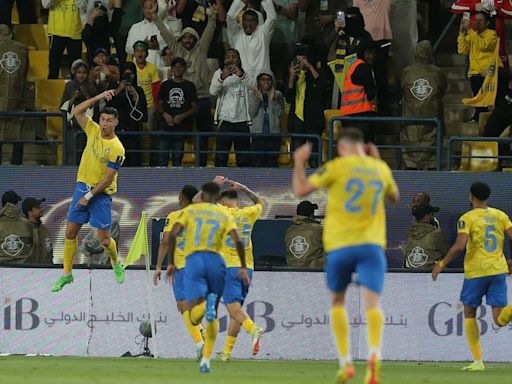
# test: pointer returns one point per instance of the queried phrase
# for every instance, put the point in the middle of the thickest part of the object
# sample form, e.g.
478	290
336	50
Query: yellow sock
197	313
192	329
212	329
339	324
112	251
375	326
230	344
473	337
70	247
248	325
505	316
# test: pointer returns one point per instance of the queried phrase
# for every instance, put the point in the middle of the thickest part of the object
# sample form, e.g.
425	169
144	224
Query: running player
207	225
185	199
235	291
96	182
354	236
481	232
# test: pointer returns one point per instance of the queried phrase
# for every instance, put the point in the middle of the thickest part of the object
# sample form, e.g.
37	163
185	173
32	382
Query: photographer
130	102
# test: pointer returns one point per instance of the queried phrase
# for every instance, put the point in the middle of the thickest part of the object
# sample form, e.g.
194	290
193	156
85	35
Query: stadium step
459	86
461	129
457	113
450	60
457	73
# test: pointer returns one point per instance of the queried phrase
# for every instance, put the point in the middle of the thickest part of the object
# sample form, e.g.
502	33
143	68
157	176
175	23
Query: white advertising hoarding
95	316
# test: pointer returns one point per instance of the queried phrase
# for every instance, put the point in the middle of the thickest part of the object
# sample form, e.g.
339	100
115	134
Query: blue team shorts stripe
204	273
98	213
235	291
178	286
368	261
494	288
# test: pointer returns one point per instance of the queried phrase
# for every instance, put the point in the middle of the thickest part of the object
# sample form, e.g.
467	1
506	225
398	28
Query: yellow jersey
145	79
245	219
64	20
179	253
99	154
486	229
207	226
356	189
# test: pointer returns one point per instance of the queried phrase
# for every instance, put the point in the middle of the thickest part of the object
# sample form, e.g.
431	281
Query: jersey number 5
490	238
357	188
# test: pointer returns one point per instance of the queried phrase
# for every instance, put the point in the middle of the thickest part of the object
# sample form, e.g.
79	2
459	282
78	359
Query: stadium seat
32	35
189	157
37	65
48	96
328	115
285	158
479	148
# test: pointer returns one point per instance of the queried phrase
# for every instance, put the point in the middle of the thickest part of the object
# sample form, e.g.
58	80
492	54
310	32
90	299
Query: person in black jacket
130	102
307	87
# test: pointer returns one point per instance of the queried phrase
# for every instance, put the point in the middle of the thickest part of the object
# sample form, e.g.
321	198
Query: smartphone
466	16
340	16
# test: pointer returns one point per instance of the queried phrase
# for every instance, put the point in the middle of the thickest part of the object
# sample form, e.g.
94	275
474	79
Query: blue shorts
178	286
205	273
494	288
98	213
235	291
367	260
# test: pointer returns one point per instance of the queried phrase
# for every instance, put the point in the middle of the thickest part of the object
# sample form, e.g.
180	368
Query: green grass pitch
75	370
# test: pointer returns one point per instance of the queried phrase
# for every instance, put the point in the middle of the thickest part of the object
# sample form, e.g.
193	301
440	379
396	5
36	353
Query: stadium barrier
423	319
457	139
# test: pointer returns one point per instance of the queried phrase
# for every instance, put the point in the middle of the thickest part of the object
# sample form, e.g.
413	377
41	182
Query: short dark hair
178	60
229	194
480	191
189	191
250	12
211	188
165	49
110	111
354	135
484	14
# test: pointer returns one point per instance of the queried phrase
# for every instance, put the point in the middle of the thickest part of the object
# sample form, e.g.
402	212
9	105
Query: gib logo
256	310
21	315
443	322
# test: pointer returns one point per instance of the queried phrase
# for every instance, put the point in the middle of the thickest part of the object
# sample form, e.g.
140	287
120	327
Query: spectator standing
132	13
177	104
15	233
425	244
501	116
42	241
13	73
194	50
167	12
102	69
423	88
91	245
167	58
479	43
305	92
422	198
130	101
303	239
232	85
250	39
65	29
99	30
267	107
26	11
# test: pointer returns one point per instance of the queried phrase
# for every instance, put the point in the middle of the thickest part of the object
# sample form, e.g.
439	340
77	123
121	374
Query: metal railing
438	147
446	29
455	139
197	139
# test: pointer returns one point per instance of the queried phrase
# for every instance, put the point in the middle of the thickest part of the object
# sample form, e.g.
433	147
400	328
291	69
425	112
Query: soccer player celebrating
207	225
354	236
96	182
235	291
185	198
481	232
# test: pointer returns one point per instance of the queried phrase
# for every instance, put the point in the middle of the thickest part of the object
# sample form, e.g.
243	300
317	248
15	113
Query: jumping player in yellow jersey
207	225
481	232
178	285
96	182
354	236
235	291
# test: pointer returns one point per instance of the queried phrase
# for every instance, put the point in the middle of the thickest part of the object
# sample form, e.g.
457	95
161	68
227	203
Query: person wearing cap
42	242
425	244
102	71
16	234
422	198
303	239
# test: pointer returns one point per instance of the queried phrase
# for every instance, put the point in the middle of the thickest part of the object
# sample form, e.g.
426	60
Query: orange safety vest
353	97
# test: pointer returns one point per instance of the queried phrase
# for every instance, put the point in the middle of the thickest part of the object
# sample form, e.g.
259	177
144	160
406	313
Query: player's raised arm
241	253
301	185
455	250
79	110
250	194
171	267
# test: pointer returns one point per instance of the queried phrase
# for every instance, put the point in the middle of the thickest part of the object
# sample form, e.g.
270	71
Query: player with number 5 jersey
481	232
354	236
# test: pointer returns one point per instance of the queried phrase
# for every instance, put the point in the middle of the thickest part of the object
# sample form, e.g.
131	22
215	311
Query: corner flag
140	243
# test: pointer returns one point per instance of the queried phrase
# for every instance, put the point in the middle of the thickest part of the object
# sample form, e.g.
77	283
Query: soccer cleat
119	272
474	366
211	303
199	351
345	373
373	370
224	356
63	280
256	336
204	368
